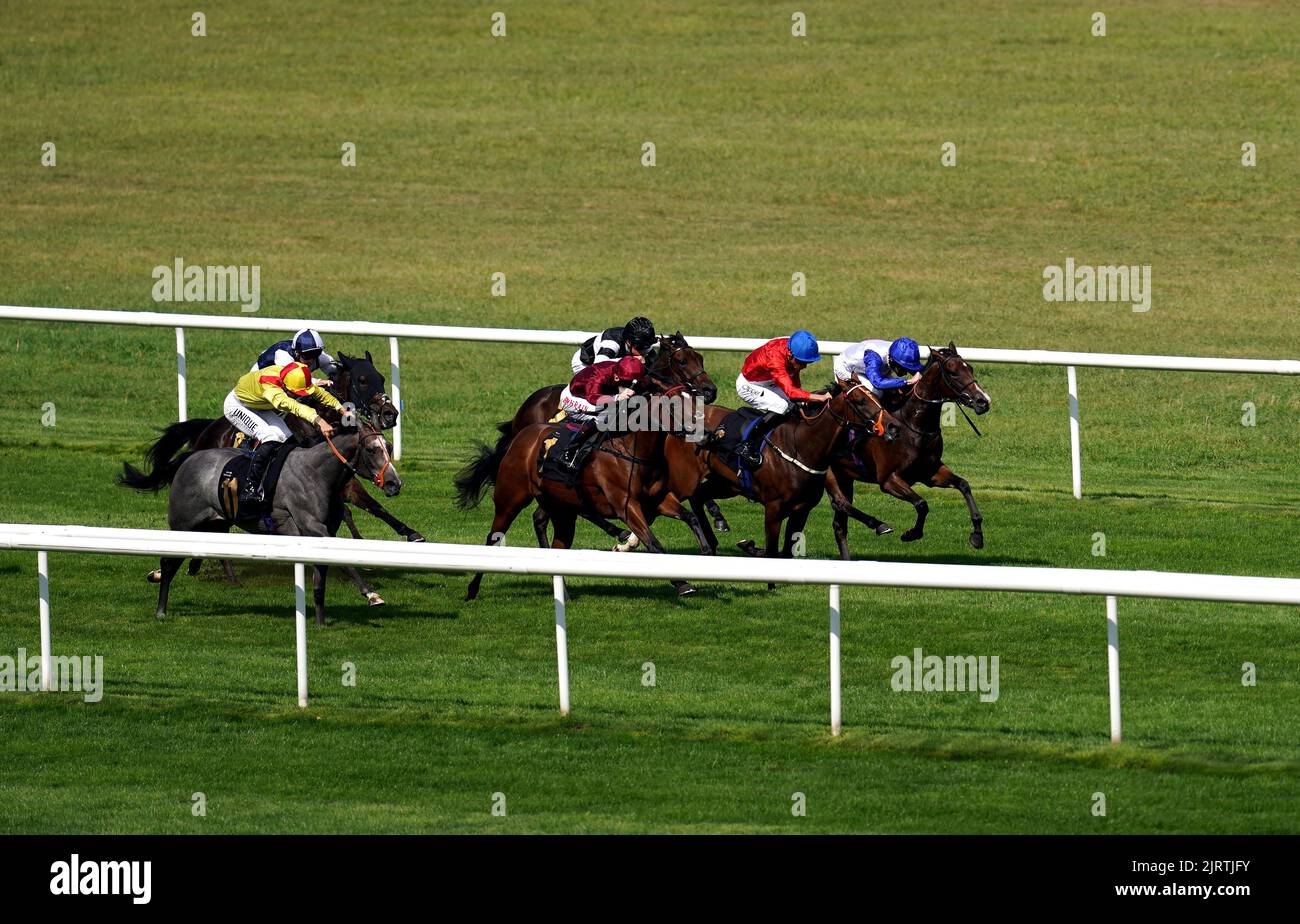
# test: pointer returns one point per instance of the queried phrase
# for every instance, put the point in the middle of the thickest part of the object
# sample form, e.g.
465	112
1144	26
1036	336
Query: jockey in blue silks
881	365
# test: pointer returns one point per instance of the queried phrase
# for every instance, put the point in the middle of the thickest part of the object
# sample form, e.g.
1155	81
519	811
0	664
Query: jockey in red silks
769	380
593	388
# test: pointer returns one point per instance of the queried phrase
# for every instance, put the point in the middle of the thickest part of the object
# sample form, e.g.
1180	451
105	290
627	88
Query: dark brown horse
916	456
625	478
789	483
675	363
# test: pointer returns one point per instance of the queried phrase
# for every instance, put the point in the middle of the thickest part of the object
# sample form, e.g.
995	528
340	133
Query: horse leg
365	589
719	521
706	530
229	570
349	522
895	486
318	575
794	528
508	507
540	519
947	478
358	496
672	507
639	523
841	495
772	529
167	570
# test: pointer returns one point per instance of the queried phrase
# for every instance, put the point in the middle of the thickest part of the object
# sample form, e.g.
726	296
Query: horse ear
343	357
952	346
372	362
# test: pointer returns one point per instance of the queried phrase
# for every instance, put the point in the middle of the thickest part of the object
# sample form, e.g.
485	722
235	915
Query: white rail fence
181	322
610	565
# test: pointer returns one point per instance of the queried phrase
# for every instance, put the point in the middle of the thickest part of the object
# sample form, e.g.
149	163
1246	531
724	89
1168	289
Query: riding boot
262	455
749	450
570	458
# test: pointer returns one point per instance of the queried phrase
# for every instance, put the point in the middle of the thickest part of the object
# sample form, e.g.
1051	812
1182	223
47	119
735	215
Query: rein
351	466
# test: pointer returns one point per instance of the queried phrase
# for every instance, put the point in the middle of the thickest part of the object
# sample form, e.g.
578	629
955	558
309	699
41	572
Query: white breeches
576	408
765	396
845	373
264	426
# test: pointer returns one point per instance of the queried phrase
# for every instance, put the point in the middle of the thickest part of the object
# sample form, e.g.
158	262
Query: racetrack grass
774	156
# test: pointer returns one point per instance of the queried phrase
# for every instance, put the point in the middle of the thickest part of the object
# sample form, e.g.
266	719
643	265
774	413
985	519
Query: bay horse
625	478
791	480
675	363
916	456
307	499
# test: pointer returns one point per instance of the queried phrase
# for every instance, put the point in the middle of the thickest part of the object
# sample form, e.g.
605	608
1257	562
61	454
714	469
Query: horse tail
187	430
481	470
162	457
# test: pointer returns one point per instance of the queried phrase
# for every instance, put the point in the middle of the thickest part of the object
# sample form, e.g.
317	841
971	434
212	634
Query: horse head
362	384
675	363
954	379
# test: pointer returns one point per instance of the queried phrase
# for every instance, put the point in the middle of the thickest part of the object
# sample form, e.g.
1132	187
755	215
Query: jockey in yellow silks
256	406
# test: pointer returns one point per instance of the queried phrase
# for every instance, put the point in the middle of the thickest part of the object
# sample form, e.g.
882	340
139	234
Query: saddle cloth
232	480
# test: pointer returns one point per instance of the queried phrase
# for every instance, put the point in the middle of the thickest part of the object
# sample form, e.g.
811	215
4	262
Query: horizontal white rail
611	565
575	337
438	556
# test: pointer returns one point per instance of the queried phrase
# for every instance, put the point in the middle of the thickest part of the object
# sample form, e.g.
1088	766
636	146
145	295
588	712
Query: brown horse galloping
625	478
675	363
916	457
789	483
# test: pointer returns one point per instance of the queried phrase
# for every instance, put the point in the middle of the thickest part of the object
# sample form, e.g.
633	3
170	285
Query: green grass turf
775	155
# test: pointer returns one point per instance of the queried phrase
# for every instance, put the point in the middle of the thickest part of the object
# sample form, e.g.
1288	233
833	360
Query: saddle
556	445
252	516
731	432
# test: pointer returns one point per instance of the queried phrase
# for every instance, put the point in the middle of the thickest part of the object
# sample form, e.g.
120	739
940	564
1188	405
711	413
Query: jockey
306	347
635	338
769	381
256	406
591	389
881	364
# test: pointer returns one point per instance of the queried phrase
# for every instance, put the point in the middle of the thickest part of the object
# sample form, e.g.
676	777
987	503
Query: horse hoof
375	599
747	546
722	525
977	540
631	543
684	589
414	537
884	529
159	615
771	587
911	536
154	576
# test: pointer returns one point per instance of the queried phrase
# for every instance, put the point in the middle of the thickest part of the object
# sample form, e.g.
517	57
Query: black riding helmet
639	333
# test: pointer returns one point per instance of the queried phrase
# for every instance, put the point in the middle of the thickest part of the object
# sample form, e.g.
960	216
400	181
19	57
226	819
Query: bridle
362	440
959	393
675	366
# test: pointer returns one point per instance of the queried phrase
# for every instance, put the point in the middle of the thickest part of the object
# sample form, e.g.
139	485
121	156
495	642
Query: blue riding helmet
803	347
307	340
904	352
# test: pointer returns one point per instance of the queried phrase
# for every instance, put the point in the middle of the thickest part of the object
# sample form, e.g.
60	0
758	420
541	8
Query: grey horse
306	499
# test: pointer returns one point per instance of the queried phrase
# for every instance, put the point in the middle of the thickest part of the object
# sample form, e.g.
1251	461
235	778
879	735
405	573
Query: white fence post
300	628
1112	665
43	582
561	642
182	400
1076	466
836	714
396	368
